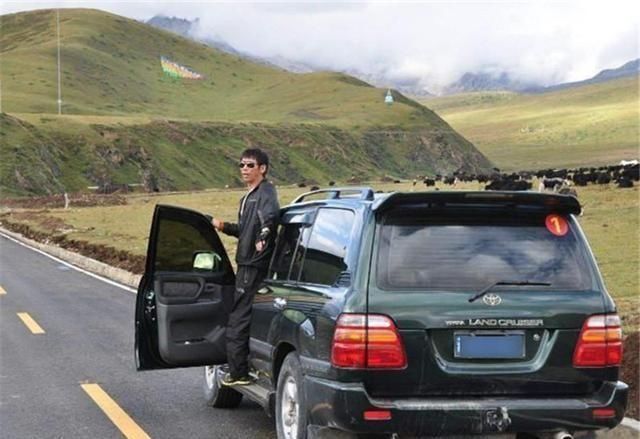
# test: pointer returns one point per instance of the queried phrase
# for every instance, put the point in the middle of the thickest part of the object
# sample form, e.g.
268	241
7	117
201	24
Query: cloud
434	43
430	43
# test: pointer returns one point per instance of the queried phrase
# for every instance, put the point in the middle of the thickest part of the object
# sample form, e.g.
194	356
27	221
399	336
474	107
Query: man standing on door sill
255	230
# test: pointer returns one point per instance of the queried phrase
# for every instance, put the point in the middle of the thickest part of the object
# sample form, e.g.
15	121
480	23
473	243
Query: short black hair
258	155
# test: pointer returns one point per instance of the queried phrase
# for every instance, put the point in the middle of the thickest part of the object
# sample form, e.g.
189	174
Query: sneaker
242	381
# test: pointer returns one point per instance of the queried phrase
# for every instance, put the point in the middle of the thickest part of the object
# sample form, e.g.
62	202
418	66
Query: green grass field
581	126
610	221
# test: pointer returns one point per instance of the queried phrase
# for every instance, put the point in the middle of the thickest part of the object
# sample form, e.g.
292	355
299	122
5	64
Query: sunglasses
249	165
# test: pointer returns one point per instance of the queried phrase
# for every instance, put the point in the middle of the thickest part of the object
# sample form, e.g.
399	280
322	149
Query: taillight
377	415
604	413
367	341
600	342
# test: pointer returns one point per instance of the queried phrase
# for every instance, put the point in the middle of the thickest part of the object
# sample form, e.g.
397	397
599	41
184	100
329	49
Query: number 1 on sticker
557	225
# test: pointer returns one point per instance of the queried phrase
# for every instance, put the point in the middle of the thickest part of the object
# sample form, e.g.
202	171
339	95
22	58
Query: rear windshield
468	254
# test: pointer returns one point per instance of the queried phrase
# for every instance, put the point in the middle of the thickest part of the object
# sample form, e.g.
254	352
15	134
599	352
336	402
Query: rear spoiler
562	204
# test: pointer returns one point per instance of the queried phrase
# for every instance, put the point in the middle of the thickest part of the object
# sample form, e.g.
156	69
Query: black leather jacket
257	220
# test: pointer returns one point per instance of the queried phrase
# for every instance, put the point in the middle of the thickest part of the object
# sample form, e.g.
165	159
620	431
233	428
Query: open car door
185	295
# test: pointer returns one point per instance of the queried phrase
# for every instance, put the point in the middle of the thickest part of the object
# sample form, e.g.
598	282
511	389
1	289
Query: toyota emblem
492	299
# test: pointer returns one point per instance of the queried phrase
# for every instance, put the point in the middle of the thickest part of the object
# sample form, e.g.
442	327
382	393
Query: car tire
291	407
216	395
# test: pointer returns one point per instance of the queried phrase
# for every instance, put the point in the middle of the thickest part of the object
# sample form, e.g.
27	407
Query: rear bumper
341	405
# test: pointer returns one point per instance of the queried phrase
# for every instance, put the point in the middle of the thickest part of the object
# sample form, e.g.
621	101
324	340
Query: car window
324	258
285	249
177	243
298	258
465	254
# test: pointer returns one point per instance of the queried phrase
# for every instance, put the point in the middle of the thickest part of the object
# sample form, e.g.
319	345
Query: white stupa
388	99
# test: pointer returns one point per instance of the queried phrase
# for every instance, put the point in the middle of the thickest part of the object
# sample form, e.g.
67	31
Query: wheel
291	408
216	395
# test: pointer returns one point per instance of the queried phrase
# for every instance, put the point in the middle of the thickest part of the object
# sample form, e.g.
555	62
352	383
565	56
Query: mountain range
470	82
631	68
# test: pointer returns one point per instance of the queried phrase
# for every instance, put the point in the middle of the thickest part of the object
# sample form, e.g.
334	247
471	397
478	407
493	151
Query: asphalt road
87	338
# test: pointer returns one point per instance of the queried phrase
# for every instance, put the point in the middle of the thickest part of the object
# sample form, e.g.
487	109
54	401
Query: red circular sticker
556	225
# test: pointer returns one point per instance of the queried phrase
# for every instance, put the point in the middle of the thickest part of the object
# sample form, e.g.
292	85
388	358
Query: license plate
489	346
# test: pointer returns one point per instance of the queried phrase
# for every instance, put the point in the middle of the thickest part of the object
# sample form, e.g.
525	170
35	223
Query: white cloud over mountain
430	43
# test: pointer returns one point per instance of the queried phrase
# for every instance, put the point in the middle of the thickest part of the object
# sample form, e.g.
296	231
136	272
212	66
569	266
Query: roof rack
363	193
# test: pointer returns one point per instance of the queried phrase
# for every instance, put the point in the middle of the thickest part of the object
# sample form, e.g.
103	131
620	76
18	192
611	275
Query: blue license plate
489	346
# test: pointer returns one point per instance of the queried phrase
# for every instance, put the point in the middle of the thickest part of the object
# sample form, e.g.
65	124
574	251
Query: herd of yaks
623	175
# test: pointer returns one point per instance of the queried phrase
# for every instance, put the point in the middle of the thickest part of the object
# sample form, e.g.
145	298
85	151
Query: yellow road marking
119	417
30	323
2	291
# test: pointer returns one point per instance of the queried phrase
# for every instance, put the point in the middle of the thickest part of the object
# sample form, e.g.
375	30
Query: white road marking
88	273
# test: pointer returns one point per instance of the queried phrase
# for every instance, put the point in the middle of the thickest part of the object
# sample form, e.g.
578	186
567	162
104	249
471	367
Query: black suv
429	313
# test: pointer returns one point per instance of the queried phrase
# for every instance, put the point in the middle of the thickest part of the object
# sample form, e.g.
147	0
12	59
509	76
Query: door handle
280	302
210	288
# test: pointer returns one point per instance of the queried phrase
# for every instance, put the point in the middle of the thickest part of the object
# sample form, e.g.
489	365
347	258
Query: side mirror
206	261
264	289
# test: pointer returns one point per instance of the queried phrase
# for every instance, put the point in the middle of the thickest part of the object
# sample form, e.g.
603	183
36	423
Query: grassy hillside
123	118
111	66
587	125
65	154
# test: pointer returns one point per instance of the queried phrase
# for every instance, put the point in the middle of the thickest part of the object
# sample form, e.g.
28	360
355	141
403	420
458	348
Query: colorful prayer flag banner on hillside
176	70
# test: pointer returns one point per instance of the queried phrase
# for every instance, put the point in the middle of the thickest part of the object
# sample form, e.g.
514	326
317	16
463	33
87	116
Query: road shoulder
78	261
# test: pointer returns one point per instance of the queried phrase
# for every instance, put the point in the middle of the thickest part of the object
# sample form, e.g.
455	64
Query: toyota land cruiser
430	313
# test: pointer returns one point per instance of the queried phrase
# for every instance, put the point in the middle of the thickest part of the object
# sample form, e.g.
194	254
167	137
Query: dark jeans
248	281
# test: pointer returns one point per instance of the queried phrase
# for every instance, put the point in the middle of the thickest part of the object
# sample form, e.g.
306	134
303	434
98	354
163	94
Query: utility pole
59	88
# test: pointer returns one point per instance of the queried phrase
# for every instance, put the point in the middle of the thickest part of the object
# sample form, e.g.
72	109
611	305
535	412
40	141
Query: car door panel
265	320
181	311
270	303
186	308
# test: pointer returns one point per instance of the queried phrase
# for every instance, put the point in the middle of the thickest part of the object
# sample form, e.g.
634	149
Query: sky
431	43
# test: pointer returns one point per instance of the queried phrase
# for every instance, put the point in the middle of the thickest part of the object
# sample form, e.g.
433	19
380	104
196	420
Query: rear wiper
489	287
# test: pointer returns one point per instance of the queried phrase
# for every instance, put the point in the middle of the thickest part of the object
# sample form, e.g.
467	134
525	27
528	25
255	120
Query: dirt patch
54	201
308	114
630	372
628	311
55	224
103	253
52	224
175	134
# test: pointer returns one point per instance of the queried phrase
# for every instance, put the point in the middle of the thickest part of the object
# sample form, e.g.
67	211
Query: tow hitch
497	420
